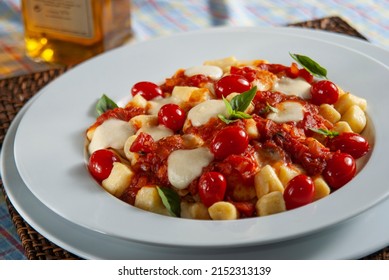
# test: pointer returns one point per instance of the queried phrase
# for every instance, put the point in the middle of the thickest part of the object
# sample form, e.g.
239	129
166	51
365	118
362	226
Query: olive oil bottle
70	31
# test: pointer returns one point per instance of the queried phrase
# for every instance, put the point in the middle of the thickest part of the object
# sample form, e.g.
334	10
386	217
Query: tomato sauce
124	114
180	79
289	142
151	166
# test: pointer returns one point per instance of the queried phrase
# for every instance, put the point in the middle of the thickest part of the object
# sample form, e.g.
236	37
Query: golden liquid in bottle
70	31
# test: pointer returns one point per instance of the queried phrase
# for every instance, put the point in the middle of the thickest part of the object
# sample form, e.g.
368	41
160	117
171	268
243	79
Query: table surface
152	18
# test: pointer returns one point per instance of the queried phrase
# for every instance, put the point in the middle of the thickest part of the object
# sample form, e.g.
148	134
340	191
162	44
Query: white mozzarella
157	132
156	104
288	111
203	112
298	86
186	165
112	133
180	94
214	72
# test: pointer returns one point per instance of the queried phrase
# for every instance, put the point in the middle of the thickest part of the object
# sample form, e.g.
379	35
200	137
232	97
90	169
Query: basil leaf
243	100
224	119
228	106
170	200
310	65
325	132
240	115
238	105
105	104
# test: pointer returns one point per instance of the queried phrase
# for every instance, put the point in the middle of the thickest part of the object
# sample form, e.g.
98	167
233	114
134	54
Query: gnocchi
229	148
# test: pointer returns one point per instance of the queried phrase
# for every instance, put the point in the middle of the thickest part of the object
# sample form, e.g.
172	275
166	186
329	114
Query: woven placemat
15	92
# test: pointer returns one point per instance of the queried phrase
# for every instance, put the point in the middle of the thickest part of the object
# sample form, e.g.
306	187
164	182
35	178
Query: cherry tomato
324	91
101	163
144	143
349	143
230	140
172	116
212	187
148	90
299	192
231	83
340	169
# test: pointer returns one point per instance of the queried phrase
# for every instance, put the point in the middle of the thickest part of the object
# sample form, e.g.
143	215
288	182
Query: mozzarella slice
214	72
288	111
157	132
298	86
103	137
203	112
186	165
156	104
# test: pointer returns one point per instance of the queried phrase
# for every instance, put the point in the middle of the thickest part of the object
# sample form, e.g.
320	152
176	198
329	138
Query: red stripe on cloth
11	239
167	16
16	56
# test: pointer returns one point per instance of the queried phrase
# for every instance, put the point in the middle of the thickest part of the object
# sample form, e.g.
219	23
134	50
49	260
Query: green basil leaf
228	106
226	120
237	106
105	104
240	115
171	200
310	65
242	101
325	132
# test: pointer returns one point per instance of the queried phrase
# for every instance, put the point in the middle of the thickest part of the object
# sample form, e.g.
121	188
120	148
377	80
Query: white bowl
50	138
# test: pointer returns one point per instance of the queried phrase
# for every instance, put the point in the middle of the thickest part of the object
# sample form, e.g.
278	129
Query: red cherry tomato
172	116
230	140
101	163
324	91
231	83
144	143
148	90
340	169
212	187
299	192
349	143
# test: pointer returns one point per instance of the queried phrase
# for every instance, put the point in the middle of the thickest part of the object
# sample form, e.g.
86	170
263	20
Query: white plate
353	239
49	140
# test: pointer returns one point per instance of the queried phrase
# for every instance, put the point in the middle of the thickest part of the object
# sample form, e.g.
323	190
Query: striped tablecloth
152	18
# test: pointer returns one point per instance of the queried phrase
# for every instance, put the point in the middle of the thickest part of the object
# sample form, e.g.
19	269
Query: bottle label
72	18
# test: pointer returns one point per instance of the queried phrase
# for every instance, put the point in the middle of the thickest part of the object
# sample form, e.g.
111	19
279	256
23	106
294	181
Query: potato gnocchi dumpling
229	139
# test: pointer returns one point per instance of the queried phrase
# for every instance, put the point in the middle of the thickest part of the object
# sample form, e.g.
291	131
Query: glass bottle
70	31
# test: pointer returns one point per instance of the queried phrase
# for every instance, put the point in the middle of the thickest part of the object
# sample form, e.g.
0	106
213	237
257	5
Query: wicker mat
15	92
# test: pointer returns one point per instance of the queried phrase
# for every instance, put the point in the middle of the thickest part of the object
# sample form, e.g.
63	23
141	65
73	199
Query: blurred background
153	18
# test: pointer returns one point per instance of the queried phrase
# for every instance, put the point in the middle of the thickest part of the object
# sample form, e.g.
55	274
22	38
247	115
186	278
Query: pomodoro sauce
276	142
